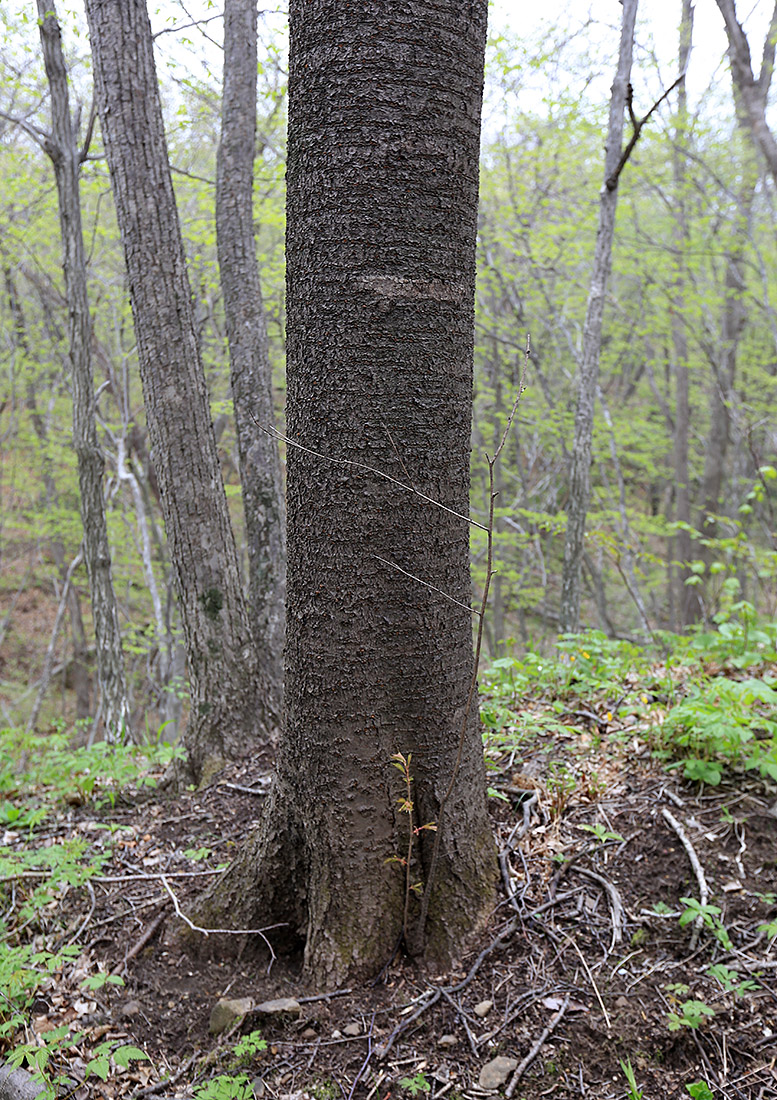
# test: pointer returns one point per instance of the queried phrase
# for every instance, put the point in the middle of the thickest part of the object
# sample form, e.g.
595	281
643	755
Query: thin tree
251	375
62	147
685	598
384	120
753	91
231	702
580	464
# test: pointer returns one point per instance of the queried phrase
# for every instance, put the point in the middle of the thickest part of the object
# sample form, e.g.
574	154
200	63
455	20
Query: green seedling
634	1092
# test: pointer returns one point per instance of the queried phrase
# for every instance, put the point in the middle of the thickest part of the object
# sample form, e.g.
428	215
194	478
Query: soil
557	954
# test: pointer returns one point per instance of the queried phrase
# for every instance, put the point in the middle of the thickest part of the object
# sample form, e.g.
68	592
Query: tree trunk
382	206
251	374
580	467
231	707
752	93
686	598
62	148
750	98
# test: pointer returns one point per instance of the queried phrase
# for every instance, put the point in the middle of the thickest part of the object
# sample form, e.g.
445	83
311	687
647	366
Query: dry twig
698	870
552	1025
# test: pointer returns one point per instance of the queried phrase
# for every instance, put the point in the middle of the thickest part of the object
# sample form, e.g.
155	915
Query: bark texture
384	120
230	700
62	148
251	375
580	466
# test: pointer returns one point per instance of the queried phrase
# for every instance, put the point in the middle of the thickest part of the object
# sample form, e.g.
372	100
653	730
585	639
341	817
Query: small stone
227	1012
310	1033
337	1034
445	1042
622	1002
352	1030
495	1073
483	1008
283	1006
130	1008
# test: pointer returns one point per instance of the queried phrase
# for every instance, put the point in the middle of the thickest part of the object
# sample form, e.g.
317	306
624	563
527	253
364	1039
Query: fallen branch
614	898
698	870
223	931
138	946
552	1025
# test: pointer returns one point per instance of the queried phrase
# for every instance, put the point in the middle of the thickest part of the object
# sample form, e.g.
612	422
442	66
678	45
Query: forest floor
592	968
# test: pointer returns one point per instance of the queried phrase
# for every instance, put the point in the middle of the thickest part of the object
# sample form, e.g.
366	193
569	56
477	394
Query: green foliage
225	1087
729	980
79	773
415	1084
634	1093
721	724
710	917
690	1014
700	1090
248	1046
601	832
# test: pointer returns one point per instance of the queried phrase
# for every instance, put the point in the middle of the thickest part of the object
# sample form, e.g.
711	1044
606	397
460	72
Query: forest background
691	296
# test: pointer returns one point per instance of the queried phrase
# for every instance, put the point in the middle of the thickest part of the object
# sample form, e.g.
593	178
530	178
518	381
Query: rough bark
384	115
251	375
231	709
62	148
580	465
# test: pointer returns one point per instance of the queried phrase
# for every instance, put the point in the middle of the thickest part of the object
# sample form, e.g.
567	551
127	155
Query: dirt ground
577	972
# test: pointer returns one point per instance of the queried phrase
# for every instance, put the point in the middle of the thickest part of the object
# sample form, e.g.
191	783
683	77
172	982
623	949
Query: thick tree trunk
580	467
260	467
230	700
384	116
62	147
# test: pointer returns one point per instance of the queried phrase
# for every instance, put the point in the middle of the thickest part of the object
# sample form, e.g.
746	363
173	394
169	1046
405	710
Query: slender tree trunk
580	467
251	374
79	672
687	598
231	706
62	148
382	207
753	93
750	98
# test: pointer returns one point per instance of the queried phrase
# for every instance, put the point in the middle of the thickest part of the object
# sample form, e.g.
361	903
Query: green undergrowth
42	776
705	703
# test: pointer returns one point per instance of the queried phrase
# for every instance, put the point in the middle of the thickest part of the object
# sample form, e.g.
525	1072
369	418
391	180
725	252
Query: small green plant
561	783
415	1084
710	916
690	1014
104	1053
601	832
100	979
225	1087
406	805
248	1046
729	980
196	854
700	1090
634	1092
